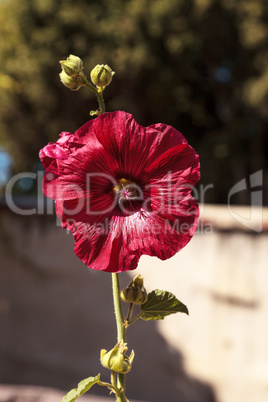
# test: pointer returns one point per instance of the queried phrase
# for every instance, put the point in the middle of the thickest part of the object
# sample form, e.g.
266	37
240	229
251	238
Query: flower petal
131	147
181	161
116	244
83	170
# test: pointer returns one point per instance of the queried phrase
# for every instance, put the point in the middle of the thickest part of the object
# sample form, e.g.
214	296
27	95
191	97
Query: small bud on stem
116	359
71	82
72	66
72	75
101	76
135	292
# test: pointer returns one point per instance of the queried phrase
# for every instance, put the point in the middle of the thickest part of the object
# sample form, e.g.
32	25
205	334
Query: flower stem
101	102
121	332
96	92
130	310
112	387
135	319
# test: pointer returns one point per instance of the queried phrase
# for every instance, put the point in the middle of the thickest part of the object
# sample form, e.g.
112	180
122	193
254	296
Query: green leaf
83	387
161	303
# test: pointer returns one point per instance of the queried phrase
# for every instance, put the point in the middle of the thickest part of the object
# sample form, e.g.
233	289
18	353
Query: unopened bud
101	75
116	359
73	83
134	295
72	66
137	281
135	292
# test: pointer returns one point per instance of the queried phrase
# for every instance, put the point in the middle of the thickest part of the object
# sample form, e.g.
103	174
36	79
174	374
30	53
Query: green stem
110	386
130	310
135	319
101	102
121	332
96	92
113	382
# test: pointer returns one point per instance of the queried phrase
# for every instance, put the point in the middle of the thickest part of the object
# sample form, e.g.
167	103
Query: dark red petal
65	137
59	150
96	253
170	181
131	147
116	244
84	171
87	134
182	162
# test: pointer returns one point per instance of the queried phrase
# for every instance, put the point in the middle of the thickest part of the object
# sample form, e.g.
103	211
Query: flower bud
137	281
134	295
72	66
135	292
73	83
116	359
101	75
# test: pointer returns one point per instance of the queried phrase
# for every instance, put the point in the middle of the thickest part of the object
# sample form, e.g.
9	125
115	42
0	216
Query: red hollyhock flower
123	190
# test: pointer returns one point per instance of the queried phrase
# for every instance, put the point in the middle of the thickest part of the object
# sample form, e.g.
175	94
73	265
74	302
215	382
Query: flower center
127	190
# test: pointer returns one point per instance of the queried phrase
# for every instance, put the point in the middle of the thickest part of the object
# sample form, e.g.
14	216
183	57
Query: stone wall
55	314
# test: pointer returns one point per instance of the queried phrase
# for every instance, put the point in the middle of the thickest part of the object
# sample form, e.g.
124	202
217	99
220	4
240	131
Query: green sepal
95	112
161	303
116	359
83	387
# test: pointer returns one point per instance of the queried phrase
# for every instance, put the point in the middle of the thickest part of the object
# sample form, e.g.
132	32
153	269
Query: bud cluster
72	77
72	73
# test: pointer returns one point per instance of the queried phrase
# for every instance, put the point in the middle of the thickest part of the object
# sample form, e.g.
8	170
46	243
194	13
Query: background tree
199	65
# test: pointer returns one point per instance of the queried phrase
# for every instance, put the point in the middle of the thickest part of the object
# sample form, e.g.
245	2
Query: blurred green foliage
199	65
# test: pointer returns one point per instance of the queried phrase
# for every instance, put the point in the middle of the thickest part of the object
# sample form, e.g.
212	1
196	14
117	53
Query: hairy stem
121	332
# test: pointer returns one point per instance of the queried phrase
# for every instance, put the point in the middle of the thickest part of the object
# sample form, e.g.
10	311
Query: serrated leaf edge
82	391
158	293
